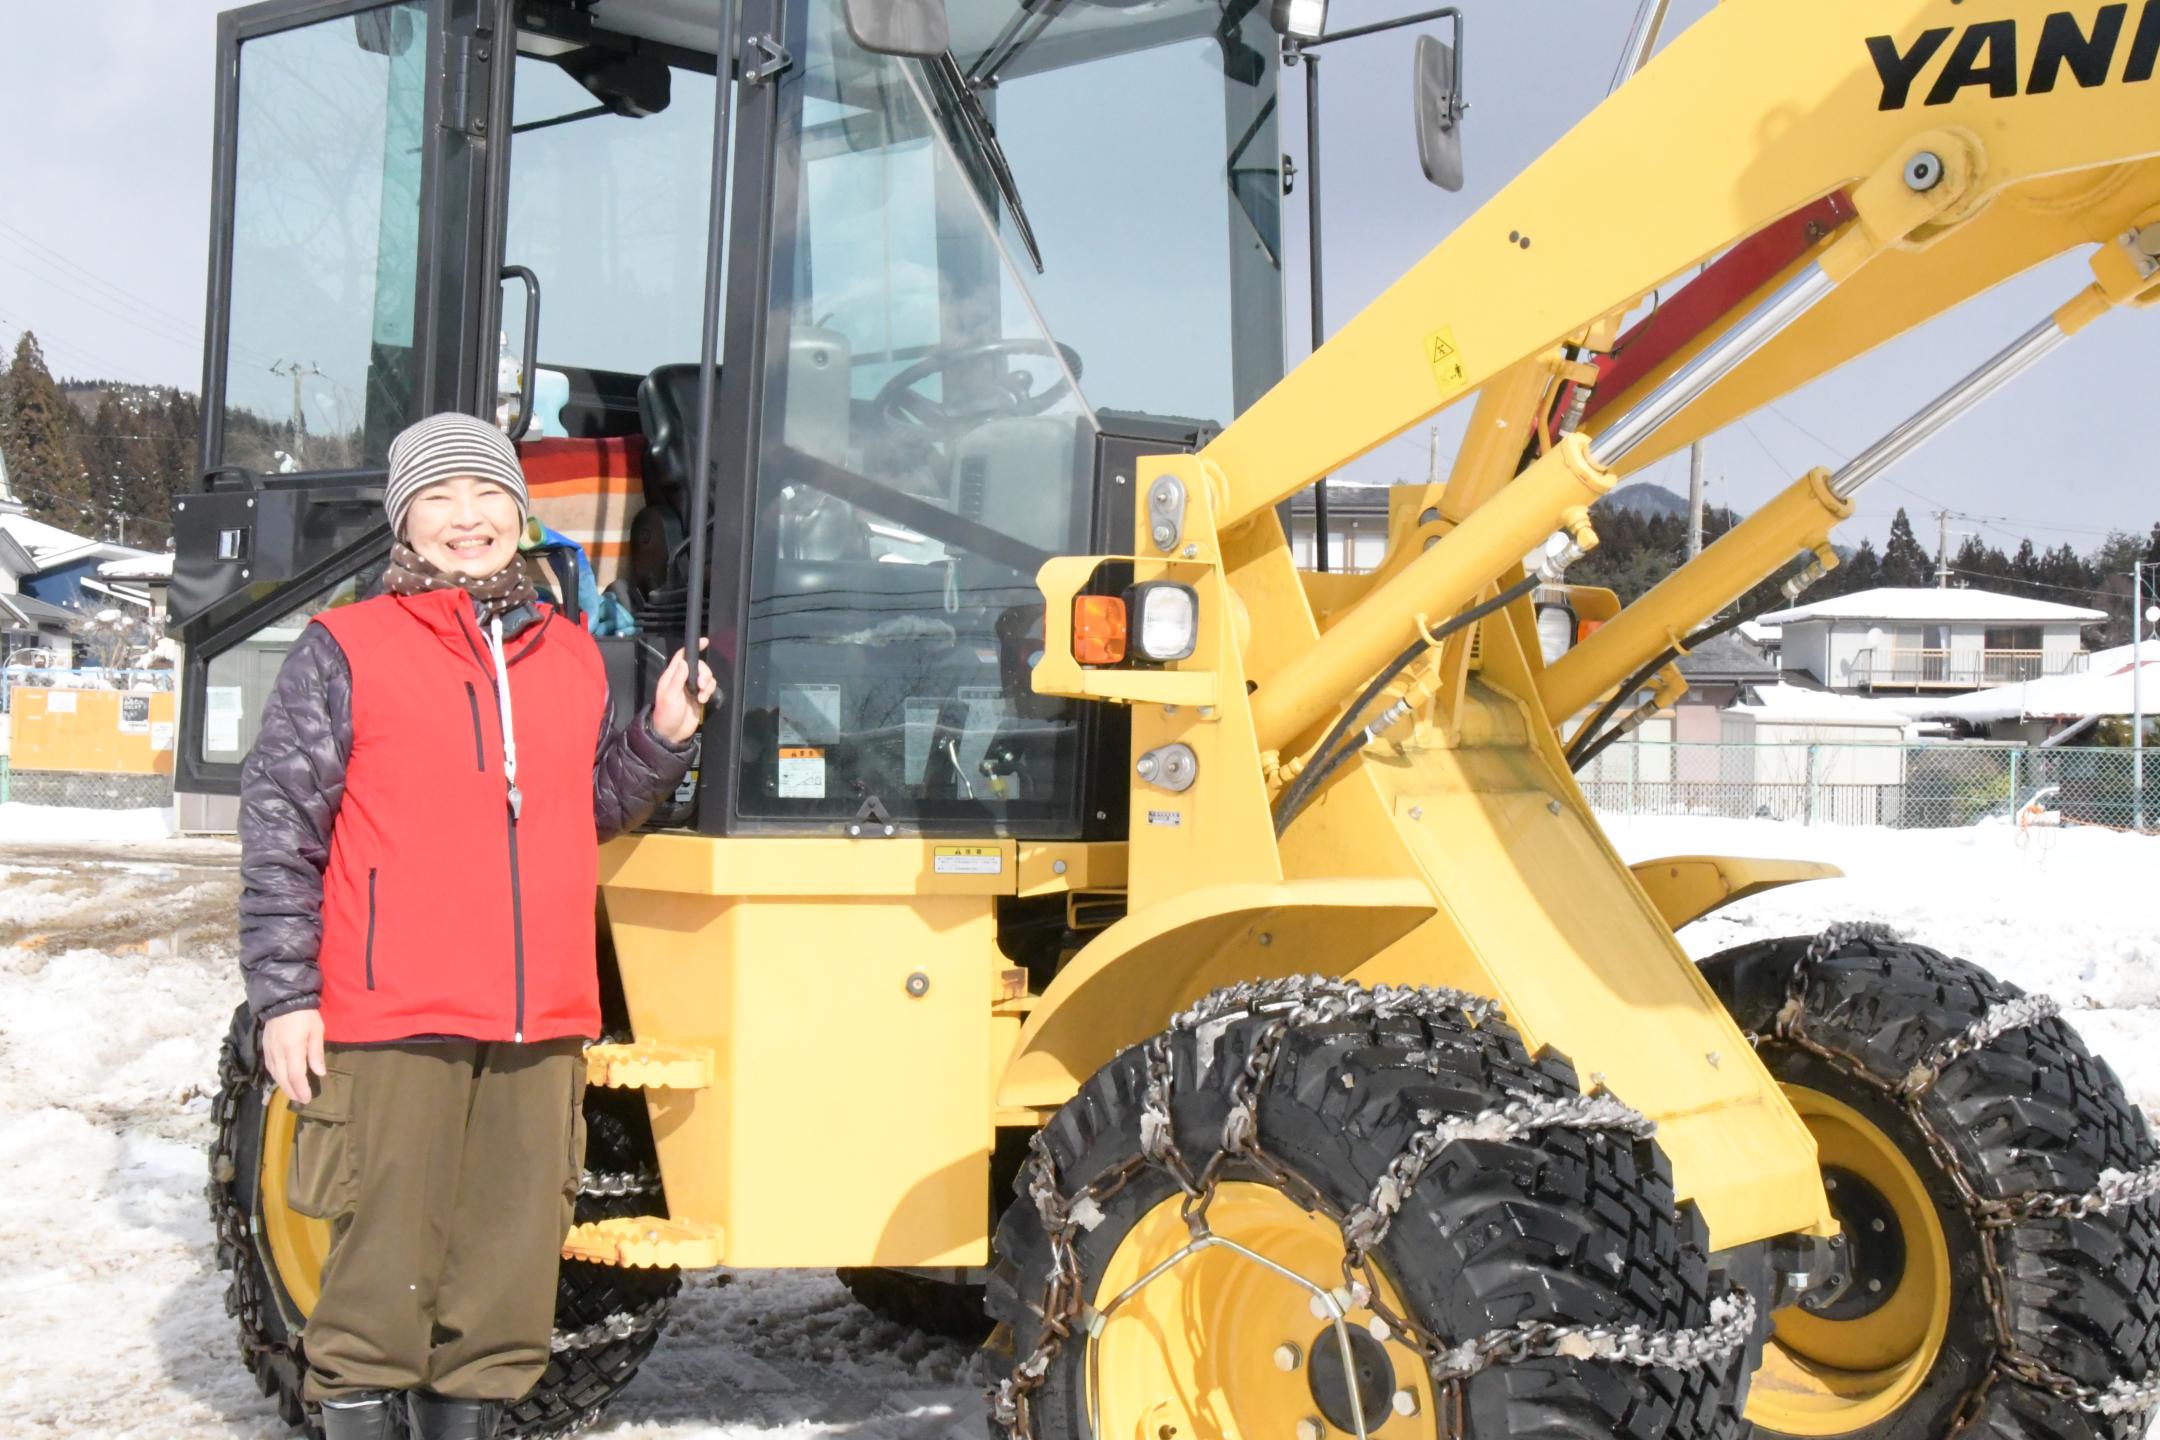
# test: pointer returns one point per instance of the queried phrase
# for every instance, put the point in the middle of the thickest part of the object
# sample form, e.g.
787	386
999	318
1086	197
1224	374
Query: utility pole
2137	688
298	372
1694	499
1942	544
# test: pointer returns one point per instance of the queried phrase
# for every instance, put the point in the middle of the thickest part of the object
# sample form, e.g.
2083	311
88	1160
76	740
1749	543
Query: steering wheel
898	402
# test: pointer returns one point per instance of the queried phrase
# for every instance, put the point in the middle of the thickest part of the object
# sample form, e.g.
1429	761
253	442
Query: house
28	624
1720	672
2055	709
1913	641
49	579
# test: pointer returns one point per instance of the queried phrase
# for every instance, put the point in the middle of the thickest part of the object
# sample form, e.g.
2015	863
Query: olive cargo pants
448	1170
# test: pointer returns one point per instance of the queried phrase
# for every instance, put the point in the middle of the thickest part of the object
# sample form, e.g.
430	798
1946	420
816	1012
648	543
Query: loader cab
958	296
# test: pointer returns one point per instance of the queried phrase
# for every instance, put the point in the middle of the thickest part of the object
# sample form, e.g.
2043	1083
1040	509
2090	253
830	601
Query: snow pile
20	822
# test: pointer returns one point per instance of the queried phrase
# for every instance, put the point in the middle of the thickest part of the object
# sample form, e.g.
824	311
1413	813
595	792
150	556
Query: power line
130	296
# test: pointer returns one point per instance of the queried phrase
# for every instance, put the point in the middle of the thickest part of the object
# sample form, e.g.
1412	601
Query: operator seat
667	407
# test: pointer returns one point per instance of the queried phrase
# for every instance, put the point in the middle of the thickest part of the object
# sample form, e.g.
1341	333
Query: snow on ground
2070	910
116	980
39	823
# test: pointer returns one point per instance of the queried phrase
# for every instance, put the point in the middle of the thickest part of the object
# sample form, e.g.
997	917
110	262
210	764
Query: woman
419	825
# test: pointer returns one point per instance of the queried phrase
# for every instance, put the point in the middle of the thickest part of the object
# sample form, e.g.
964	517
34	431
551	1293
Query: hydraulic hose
1334	750
1586	744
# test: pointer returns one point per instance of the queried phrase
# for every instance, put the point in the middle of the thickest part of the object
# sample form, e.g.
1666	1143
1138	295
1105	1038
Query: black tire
1573	1226
2030	1110
937	1307
616	1314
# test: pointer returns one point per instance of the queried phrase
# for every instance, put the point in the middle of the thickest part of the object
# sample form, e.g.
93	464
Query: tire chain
1306	1000
2116	1188
235	1245
621	1325
613	1184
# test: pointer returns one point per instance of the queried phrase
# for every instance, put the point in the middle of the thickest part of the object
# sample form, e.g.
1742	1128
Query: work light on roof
1299	19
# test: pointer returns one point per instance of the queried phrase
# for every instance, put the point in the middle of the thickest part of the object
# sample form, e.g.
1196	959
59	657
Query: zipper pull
517	804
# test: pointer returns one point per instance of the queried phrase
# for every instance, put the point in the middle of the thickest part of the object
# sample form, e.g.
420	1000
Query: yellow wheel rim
1221	1345
299	1246
1821	1376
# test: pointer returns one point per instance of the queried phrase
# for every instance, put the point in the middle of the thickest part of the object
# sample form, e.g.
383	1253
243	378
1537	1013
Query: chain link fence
1908	787
83	789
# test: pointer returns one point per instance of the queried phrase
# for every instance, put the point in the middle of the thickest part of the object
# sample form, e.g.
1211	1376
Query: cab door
349	289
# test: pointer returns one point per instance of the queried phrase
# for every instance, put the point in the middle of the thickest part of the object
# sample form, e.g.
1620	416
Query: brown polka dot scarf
410	573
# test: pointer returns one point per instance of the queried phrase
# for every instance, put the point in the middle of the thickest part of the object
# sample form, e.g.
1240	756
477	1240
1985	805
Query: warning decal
968	860
1445	357
802	772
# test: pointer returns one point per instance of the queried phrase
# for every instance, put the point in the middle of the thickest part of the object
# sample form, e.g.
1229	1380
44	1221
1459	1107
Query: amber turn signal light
1098	633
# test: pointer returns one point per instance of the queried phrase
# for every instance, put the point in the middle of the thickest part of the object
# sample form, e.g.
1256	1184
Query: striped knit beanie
442	447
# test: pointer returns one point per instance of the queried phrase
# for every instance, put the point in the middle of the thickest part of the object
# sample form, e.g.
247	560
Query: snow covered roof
1780	701
1929	603
2058	697
37	537
141	567
1758	634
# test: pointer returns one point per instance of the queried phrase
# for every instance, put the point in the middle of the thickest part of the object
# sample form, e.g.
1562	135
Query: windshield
932	401
1142	142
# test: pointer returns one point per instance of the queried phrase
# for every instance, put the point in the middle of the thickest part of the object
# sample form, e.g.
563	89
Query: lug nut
1311	1428
1405	1402
1288	1358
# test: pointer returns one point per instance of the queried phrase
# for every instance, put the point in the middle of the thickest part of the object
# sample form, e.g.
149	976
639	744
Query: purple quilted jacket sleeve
290	789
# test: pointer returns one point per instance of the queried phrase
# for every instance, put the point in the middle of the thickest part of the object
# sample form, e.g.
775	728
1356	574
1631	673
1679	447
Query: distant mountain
1646	499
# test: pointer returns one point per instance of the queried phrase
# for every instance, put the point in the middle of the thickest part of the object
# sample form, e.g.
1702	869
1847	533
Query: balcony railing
1959	669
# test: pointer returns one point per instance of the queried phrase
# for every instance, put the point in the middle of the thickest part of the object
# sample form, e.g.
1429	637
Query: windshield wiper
1020	32
955	96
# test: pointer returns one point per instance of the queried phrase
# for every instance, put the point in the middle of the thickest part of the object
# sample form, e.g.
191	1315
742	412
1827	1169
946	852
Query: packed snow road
117	975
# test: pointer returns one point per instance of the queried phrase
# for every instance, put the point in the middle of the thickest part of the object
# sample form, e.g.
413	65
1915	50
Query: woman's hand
674	718
292	1046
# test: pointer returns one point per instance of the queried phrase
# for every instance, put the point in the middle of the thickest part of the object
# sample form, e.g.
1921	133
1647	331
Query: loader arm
1922	167
1755	110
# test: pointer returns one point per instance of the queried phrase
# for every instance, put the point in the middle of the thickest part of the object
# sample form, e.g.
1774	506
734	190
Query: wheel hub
1373	1369
1874	1246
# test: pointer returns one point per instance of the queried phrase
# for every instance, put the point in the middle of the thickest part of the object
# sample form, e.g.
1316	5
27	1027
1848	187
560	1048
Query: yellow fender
1687	887
1126	985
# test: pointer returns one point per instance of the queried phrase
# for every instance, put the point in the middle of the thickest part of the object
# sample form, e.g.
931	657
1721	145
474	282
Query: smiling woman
418	998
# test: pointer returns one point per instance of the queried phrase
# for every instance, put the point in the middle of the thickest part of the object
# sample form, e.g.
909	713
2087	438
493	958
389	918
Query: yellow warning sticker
968	860
1446	360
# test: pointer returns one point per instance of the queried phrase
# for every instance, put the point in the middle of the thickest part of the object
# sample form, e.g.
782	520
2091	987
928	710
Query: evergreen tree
37	425
2024	570
1904	563
1861	570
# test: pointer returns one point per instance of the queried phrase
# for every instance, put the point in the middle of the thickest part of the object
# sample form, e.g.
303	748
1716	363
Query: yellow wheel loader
1204	971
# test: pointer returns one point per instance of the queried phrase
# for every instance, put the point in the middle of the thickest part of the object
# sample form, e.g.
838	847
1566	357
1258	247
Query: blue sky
103	222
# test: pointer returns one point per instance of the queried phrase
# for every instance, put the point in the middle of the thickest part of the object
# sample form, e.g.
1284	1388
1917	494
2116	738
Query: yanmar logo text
1996	55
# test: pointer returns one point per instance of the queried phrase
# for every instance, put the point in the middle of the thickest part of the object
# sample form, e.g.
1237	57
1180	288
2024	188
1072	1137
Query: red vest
442	916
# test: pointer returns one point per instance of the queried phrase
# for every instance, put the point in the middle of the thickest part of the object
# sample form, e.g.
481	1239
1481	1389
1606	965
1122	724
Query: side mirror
1439	108
916	28
385	32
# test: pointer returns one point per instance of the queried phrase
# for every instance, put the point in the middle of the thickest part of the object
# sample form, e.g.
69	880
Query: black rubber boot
439	1417
364	1415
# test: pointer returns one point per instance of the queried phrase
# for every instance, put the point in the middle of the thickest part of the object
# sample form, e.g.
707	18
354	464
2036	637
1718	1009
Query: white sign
223	705
968	860
60	702
802	772
161	735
